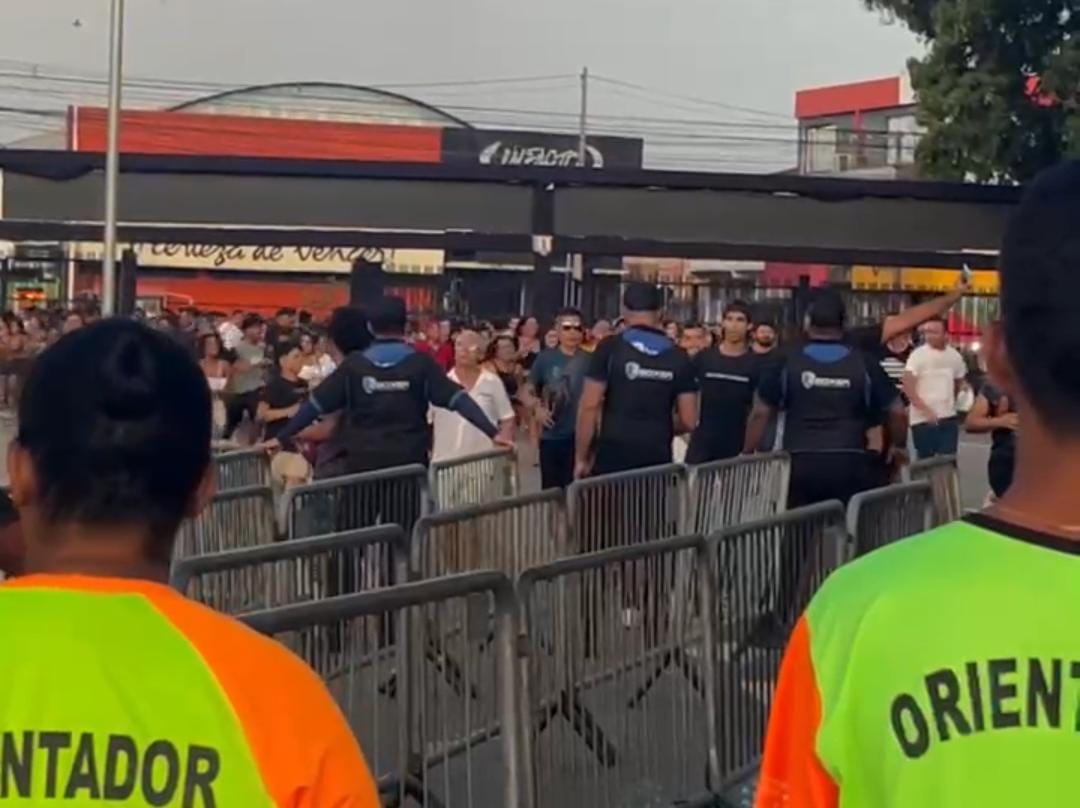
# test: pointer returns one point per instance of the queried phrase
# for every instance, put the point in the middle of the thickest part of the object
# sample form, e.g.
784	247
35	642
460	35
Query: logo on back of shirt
634	371
372	385
810	380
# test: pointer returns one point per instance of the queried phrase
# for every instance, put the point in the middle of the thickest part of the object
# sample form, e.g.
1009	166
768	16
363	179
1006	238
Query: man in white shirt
933	377
455	437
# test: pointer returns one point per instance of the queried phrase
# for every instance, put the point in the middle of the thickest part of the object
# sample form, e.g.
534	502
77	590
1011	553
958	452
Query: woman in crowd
502	360
528	341
217	371
551	339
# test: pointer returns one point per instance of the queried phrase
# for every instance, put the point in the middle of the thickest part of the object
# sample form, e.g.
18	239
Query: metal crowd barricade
475	479
765	573
510	536
615	677
241	469
296	571
944	477
884	515
616	510
732	492
397	496
449	735
241	517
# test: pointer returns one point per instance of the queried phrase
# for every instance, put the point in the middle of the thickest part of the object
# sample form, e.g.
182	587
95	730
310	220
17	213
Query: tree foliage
999	86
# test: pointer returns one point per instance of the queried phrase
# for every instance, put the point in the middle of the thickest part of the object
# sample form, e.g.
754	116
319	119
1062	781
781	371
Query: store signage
262	258
541	149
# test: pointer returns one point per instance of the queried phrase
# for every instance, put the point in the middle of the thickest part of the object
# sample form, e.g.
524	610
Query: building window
820	149
904	135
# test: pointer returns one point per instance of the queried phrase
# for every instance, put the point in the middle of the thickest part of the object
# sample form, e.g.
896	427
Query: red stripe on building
842	99
247	136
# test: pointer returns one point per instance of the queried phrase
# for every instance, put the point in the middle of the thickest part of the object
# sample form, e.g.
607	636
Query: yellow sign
911	279
273	259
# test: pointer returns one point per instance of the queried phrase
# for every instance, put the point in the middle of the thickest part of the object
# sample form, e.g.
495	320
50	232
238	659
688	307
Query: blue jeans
933	440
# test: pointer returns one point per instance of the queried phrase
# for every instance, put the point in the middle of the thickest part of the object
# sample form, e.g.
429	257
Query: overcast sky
751	54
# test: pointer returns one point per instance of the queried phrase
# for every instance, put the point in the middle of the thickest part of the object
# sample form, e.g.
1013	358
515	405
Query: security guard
831	393
635	380
944	669
384	393
112	453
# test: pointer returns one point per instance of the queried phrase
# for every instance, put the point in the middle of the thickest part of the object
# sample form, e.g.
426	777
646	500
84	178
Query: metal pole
112	156
578	269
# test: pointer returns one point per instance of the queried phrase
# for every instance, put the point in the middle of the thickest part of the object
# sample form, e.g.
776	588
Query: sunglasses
572	327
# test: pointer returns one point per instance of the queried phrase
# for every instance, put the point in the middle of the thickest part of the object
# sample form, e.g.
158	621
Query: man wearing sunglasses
553	389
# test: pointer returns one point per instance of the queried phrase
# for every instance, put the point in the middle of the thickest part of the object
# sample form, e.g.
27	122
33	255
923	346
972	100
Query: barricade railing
732	492
765	573
944	477
241	469
295	571
446	733
616	510
475	479
394	496
884	515
509	536
241	517
615	676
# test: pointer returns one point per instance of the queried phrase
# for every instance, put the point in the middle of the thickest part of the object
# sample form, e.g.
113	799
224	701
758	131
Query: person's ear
996	356
22	479
204	493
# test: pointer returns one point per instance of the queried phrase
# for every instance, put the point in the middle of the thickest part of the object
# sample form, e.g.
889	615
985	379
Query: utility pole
584	121
112	156
578	268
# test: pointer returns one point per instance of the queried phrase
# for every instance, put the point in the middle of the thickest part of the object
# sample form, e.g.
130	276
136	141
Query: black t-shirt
866	338
832	393
280	394
1002	440
644	372
727	385
385	392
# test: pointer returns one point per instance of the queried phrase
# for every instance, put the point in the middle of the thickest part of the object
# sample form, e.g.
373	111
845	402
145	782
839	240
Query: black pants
815	477
236	407
556	462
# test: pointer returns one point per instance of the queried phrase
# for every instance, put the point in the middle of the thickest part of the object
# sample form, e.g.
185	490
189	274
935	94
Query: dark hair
388	315
493	348
250	321
116	418
641	296
521	325
284	347
738	307
1040	294
568	311
348	329
288	311
205	338
8	513
693	324
827	309
304	317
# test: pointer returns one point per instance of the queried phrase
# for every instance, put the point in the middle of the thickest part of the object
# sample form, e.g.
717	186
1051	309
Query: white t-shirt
936	373
454	436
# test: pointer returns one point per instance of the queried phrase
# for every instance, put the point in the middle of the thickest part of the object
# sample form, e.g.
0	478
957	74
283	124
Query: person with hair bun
116	684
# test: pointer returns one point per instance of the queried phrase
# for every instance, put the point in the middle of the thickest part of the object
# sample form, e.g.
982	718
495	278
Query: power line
706	101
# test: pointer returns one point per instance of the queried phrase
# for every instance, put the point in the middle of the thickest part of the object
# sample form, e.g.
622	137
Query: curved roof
325	100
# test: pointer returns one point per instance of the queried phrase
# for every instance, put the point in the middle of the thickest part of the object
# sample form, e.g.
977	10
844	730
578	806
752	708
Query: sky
729	67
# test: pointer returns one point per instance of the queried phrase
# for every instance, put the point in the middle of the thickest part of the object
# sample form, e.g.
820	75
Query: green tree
999	86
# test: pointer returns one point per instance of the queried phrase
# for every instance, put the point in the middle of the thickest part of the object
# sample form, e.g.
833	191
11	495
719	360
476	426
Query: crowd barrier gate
509	536
436	735
884	515
474	479
241	517
765	574
241	469
743	489
628	507
944	477
396	496
614	677
295	571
